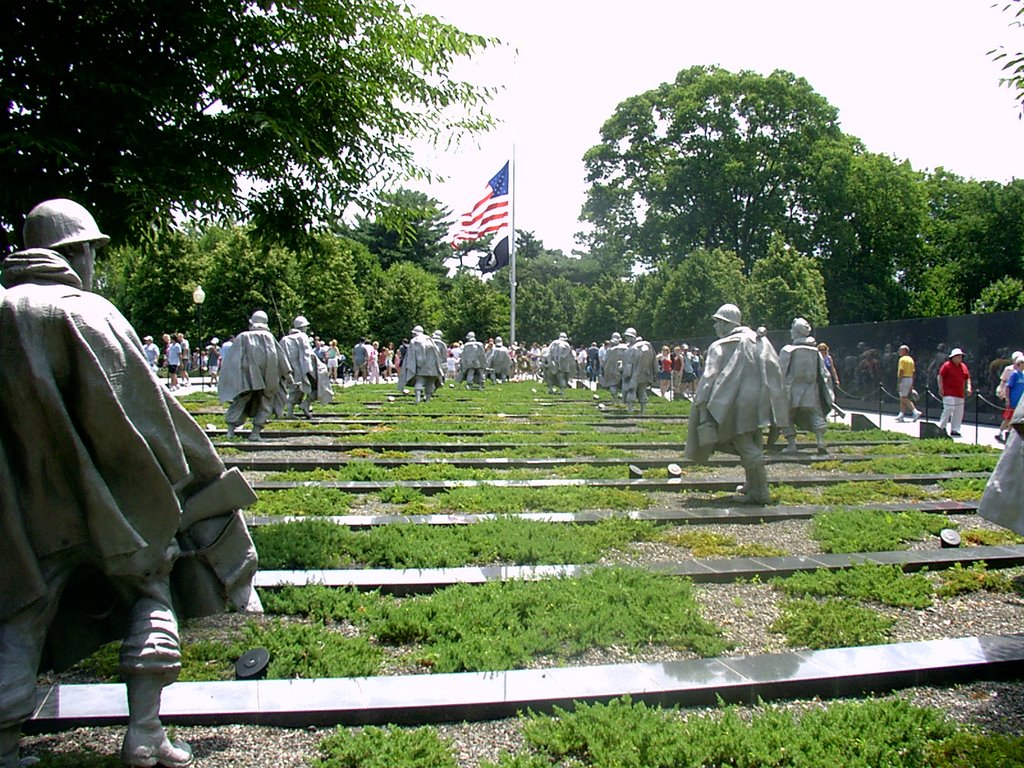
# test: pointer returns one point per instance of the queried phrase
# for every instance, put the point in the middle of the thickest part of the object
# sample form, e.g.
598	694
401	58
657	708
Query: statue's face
722	328
82	258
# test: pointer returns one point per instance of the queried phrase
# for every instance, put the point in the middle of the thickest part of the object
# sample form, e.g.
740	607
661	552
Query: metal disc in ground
252	665
949	537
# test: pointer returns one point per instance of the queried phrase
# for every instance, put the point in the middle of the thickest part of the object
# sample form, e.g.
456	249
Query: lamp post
198	297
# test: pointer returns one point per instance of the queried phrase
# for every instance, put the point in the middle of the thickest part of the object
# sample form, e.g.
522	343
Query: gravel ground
745	611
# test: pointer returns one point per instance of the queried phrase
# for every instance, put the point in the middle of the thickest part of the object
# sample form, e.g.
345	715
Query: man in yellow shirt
905	385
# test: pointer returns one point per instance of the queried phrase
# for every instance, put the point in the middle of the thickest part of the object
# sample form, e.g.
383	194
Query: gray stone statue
309	378
473	363
739	394
422	366
807	387
105	481
1003	499
499	362
252	374
557	364
442	351
639	370
611	371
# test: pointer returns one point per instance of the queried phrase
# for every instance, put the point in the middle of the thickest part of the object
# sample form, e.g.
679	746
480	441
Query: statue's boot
254	435
290	413
307	410
822	450
755	489
419	395
146	743
231	430
791	445
9	737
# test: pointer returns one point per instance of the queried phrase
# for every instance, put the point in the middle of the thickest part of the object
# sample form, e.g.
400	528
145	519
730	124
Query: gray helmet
801	326
616	336
562	336
300	322
630	333
470	336
417	330
497	340
438	335
259	317
54	223
730	313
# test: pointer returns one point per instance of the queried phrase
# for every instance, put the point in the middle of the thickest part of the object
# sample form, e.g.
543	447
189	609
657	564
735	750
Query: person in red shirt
954	386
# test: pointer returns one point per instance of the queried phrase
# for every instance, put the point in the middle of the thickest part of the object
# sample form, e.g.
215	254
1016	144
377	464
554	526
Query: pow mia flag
496	259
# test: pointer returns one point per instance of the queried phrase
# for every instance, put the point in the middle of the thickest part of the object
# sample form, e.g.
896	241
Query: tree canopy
278	113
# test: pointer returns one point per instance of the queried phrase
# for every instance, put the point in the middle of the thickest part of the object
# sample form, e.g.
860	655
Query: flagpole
512	253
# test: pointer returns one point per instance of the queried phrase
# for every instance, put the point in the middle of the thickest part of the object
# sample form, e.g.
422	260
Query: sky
911	78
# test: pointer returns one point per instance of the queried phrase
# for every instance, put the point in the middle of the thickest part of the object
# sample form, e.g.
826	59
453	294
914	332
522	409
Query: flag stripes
489	215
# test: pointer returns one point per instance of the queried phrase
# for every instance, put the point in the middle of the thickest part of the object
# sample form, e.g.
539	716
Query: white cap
956	351
1018	356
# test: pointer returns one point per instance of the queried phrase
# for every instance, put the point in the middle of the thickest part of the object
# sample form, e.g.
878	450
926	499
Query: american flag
489	215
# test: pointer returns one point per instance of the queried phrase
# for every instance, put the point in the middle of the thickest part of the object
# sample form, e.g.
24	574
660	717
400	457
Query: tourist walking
905	386
954	387
1011	385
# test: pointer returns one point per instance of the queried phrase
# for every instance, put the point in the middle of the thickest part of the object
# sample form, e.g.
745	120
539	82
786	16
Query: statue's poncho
255	363
95	455
1003	499
422	359
740	391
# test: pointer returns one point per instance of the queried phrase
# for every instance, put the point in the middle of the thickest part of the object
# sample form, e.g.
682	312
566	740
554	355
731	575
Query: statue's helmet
417	330
259	317
630	333
562	336
497	340
801	327
729	313
470	336
616	336
54	223
300	322
438	335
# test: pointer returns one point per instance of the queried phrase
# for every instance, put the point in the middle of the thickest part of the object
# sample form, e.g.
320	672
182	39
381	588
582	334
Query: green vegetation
506	625
913	464
886	584
832	623
389	747
317	544
873	530
302	501
959	580
963	488
707	544
990	538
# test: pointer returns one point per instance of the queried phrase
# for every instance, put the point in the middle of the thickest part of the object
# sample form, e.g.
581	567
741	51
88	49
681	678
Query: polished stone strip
419	699
705	570
746	515
428	487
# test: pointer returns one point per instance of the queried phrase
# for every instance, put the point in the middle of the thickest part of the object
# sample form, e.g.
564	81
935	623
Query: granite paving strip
705	570
420	699
428	487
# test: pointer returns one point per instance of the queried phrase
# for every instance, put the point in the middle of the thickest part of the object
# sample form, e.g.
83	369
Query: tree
1013	63
605	307
326	288
412	228
413	297
1004	295
695	289
713	159
474	305
282	112
786	284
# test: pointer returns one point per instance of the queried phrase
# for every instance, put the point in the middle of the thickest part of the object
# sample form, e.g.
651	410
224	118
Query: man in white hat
954	387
